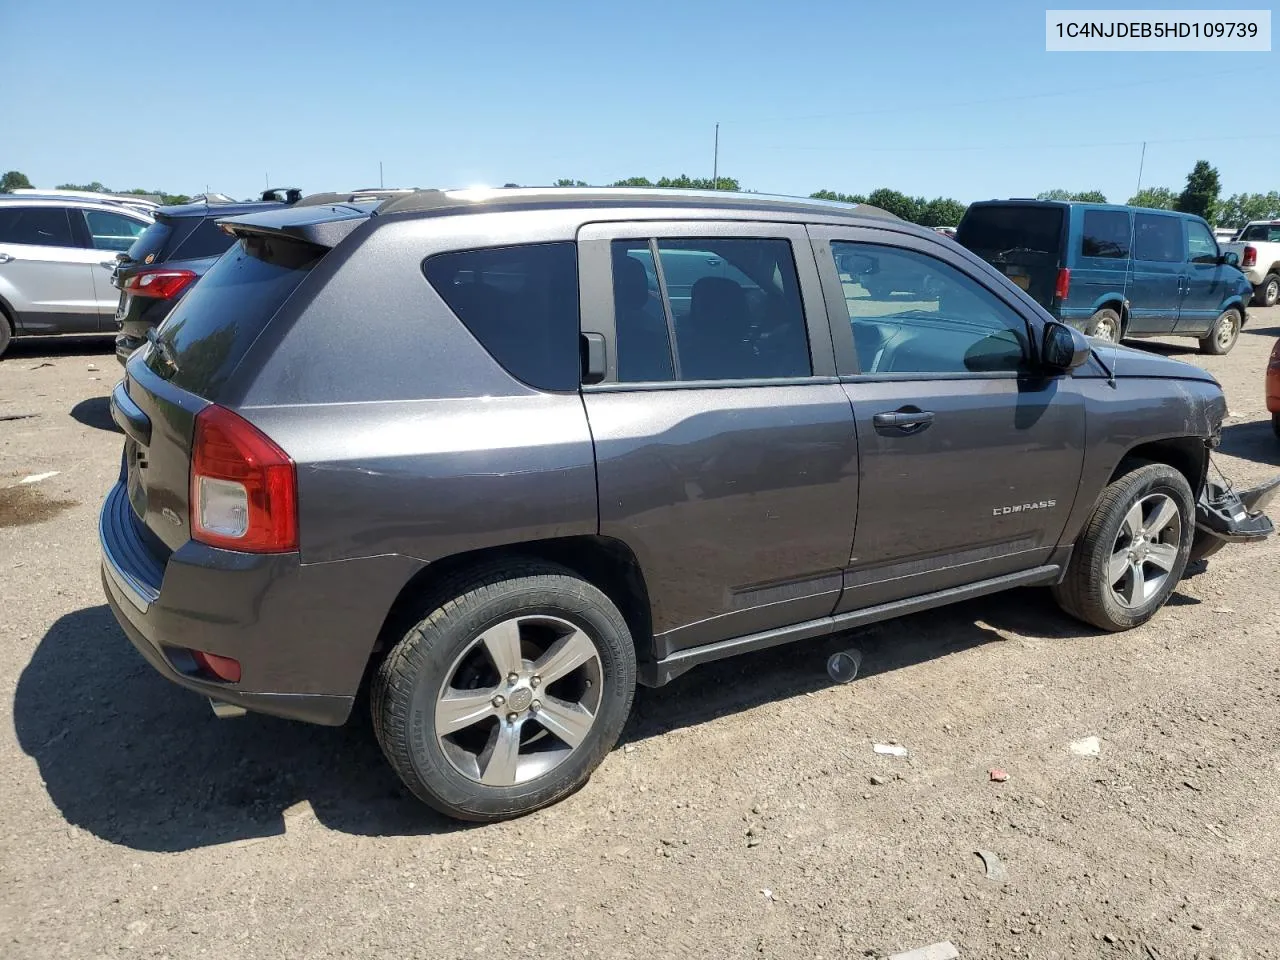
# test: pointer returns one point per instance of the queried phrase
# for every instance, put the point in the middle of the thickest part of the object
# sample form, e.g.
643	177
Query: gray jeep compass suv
511	452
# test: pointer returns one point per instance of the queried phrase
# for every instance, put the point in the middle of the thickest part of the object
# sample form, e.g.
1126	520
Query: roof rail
352	196
119	199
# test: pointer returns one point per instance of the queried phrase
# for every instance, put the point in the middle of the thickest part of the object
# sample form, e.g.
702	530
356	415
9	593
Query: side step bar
663	671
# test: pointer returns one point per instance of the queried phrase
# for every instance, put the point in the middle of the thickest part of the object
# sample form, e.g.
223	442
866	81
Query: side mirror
1230	259
1063	347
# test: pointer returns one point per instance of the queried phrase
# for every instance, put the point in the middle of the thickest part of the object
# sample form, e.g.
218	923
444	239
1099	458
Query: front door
1205	285
970	458
726	456
48	278
1159	262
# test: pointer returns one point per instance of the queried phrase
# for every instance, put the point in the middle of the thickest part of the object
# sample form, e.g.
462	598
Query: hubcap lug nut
535	706
499	700
534	681
513	678
512	717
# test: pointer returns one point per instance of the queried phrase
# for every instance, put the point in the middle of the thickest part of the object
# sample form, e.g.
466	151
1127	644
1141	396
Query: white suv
56	258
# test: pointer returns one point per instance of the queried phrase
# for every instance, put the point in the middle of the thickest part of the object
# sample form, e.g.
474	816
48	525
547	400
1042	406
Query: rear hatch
188	367
1024	241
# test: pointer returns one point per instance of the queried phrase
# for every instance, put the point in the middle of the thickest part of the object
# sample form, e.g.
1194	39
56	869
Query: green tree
1155	198
94	187
841	197
685	182
13	180
899	204
1200	196
633	182
566	182
1084	196
941	212
1240	208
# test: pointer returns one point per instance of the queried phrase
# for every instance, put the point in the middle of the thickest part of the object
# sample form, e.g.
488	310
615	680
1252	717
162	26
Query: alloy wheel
519	700
1227	329
1146	550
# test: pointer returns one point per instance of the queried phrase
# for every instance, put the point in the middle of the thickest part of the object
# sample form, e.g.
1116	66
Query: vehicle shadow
95	344
1253	440
1166	348
139	762
95	412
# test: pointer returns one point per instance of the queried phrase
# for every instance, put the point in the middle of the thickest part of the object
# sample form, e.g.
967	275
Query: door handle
109	264
5	258
908	420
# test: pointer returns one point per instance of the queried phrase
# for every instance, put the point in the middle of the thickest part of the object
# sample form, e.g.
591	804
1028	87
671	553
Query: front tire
1267	293
1133	550
1223	334
1105	325
6	333
509	692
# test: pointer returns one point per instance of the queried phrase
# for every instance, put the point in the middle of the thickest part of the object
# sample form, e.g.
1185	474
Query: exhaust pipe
225	711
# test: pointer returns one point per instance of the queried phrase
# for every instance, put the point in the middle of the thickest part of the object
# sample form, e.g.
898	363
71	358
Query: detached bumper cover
1235	516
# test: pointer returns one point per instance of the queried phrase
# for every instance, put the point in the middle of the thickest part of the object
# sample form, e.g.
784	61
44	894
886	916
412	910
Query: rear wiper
163	348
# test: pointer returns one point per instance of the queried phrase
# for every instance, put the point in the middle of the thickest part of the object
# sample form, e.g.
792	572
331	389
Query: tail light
1063	286
160	284
1250	258
244	488
1274	362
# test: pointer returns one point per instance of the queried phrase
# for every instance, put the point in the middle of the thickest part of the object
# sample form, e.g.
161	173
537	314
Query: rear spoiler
351	196
321	226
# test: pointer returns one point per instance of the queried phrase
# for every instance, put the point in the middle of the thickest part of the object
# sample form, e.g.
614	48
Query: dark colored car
1114	271
171	255
536	476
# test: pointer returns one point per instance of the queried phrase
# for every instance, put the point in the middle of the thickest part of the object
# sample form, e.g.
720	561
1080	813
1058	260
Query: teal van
1115	271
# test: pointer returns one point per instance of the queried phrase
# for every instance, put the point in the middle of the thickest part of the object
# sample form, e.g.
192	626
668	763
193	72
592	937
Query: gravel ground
745	814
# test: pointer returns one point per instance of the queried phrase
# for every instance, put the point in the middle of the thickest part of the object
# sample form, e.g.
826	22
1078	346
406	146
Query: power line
1021	145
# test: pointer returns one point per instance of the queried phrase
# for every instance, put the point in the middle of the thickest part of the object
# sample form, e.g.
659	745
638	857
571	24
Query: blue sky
932	98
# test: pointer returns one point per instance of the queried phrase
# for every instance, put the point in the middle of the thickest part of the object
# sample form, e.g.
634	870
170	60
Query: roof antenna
1128	272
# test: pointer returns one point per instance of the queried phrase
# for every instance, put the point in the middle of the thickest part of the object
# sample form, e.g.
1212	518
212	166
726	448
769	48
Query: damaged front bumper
1225	515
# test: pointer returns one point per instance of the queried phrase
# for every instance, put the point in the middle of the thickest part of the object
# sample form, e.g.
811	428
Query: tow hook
225	711
1235	516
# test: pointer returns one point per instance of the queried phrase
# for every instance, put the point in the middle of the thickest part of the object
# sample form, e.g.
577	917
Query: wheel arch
606	563
1188	455
1116	302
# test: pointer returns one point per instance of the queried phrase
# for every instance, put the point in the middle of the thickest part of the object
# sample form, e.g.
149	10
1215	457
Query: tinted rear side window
213	326
38	226
1106	234
521	303
990	231
1157	238
207	240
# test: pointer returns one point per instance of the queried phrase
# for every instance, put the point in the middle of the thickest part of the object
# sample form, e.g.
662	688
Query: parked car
946	231
1115	271
474	448
56	257
1259	251
171	255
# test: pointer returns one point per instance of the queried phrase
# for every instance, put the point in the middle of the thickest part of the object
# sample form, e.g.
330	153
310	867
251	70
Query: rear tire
1147	514
1105	325
6	331
1275	424
516	744
1267	293
1223	334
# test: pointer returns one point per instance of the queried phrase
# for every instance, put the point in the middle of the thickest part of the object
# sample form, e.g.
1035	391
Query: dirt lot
739	818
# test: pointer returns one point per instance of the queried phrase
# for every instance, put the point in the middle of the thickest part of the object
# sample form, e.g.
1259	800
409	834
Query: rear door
1159	262
44	271
109	233
1205	282
725	450
970	458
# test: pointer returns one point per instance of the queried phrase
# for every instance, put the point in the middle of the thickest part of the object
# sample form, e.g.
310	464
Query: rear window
993	231
1157	238
521	303
151	242
207	240
1106	234
1262	233
38	226
212	327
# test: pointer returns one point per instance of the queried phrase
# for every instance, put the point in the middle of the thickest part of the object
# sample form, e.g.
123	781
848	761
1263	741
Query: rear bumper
251	608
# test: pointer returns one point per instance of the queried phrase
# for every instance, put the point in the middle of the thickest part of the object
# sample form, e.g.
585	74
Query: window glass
38	226
521	303
1106	234
644	346
207	240
1157	239
911	314
1264	233
735	306
1201	247
111	231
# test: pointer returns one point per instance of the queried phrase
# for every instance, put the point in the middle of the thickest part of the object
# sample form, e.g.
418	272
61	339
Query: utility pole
715	162
380	183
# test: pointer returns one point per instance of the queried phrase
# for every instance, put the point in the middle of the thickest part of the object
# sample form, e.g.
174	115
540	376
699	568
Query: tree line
1201	196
